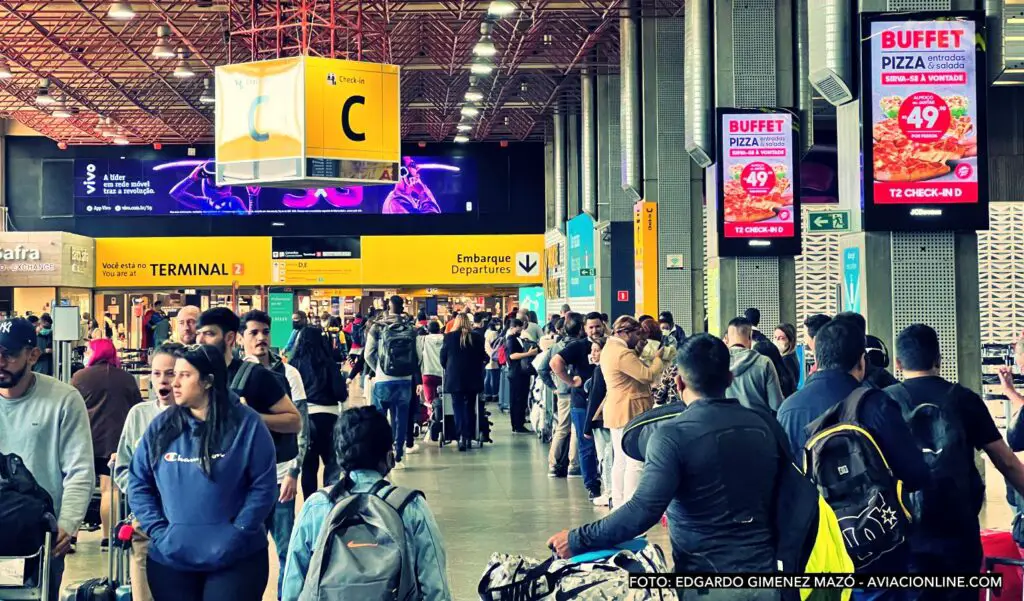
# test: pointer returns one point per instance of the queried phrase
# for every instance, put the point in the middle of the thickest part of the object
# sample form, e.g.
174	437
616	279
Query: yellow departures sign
307	122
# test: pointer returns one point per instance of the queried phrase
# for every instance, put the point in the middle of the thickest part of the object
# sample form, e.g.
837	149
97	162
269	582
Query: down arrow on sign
527	263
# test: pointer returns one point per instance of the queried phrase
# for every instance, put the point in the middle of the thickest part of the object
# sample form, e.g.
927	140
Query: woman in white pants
628	395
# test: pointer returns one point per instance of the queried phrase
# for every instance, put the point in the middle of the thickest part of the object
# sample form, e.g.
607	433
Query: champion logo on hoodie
176	458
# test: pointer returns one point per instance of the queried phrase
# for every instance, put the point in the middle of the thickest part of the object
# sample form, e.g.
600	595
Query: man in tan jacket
629	394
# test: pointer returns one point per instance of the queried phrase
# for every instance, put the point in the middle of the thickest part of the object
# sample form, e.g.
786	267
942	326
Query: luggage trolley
35	586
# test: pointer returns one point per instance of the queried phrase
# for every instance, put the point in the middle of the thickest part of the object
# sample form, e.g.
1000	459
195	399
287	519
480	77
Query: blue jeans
282	520
392	398
586	450
492	382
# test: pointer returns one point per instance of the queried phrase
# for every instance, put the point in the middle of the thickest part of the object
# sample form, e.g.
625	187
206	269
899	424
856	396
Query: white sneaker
602	501
399	465
412	451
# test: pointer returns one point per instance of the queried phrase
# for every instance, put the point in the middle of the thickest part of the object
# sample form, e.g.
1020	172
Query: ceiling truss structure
104	67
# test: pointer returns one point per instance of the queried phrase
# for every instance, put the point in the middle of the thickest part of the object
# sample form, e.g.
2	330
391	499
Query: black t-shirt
577	357
261	391
513	345
980	430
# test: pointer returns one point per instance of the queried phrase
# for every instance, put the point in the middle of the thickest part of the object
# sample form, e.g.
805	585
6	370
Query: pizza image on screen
900	159
742	207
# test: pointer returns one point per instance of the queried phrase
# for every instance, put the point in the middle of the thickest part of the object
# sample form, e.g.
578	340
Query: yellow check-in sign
307	122
259	110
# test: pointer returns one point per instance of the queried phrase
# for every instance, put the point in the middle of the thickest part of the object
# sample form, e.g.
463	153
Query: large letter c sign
253	133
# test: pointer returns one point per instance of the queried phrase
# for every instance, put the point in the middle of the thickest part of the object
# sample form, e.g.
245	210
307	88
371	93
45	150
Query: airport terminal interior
511	299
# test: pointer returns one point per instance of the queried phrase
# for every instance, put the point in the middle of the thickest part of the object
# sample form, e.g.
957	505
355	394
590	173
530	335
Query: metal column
753	67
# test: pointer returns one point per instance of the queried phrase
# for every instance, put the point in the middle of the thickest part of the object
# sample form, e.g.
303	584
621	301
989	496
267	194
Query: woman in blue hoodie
202	483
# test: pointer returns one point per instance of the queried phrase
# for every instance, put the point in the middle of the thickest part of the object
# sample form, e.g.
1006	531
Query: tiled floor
496	499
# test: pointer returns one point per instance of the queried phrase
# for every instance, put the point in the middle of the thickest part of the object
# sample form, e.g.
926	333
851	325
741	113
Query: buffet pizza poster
757	171
924	113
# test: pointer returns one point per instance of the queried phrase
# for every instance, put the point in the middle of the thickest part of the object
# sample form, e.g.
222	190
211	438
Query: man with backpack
833	407
714	469
44	422
564	453
390	353
256	345
949	422
518	378
388	546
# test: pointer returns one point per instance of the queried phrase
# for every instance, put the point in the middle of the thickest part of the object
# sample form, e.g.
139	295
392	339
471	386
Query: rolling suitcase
448	431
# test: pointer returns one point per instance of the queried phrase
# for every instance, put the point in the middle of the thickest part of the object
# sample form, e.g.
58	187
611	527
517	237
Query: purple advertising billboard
427	185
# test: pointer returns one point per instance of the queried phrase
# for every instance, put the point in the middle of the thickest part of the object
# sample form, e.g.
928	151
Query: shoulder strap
399	496
242	375
851	404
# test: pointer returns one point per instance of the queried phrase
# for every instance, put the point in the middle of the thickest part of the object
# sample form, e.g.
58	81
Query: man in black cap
44	421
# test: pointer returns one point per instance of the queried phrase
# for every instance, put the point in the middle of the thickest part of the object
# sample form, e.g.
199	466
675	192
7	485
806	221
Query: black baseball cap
17	334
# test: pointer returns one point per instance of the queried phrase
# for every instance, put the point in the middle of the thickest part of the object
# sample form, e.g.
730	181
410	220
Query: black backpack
843	459
956	488
357	338
526	363
396	349
26	509
286	446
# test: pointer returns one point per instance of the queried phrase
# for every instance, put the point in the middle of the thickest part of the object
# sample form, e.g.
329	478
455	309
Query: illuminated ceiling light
5	69
122	11
1015	21
163	48
184	69
207	97
461	139
548	39
485	47
473	94
481	66
121	141
1013	38
1013	71
106	128
43	97
470	111
464	127
523	87
501	8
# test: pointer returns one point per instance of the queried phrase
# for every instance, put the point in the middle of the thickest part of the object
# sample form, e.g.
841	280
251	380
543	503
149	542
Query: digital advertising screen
186	186
923	119
758	170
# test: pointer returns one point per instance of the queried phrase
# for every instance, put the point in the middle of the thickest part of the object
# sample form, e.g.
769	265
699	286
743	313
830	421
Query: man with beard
256	385
256	346
186	321
44	421
161	394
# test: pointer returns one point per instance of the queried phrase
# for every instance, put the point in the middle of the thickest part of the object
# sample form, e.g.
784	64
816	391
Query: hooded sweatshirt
754	379
198	523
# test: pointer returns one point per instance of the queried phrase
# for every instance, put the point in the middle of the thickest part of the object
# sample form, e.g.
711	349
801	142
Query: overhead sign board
326	261
924	116
829	221
452	260
209	261
758	200
307	122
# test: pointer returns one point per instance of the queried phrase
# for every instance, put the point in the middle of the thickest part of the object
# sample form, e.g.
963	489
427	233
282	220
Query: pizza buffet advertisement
757	168
924	115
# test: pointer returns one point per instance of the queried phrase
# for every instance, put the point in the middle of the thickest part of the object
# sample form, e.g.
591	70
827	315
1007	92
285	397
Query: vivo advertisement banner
427	185
924	121
582	263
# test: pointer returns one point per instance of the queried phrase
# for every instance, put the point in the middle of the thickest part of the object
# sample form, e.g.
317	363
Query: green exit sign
830	221
588	272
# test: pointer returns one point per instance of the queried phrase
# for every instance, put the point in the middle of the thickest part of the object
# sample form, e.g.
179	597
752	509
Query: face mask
780	345
296	325
666	331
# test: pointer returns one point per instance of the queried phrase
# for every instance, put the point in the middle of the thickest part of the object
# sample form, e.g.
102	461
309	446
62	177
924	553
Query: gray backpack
397	349
361	552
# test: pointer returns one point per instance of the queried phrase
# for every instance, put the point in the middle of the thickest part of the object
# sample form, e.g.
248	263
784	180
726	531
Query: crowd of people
213	461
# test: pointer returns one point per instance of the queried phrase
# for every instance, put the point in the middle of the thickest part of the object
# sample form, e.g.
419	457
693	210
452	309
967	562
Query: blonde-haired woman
628	382
464	355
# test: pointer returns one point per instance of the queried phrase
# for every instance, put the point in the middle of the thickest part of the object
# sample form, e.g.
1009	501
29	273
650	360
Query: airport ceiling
118	72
